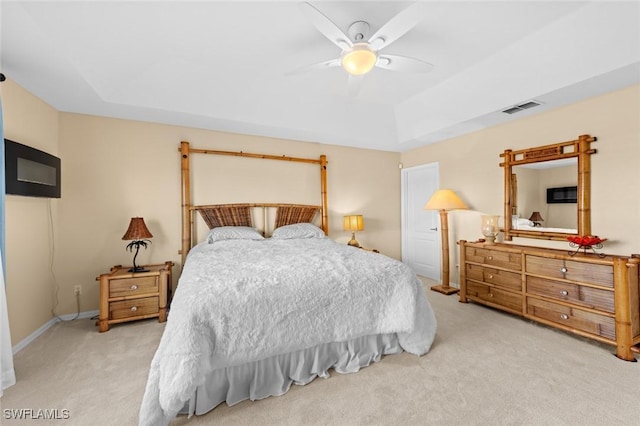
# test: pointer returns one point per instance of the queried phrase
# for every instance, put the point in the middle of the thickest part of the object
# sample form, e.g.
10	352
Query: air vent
521	107
528	105
512	110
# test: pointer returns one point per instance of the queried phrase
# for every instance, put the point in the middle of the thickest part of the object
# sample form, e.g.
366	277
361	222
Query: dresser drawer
133	307
571	270
501	259
133	286
498	277
567	316
495	295
581	295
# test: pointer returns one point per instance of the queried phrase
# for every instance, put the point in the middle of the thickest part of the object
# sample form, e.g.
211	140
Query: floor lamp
445	200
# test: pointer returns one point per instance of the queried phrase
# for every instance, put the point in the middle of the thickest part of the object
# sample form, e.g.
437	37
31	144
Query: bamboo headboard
240	214
256	215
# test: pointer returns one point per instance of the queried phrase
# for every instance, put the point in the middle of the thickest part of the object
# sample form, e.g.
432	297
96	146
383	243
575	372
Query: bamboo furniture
514	194
444	200
580	149
127	296
188	209
585	294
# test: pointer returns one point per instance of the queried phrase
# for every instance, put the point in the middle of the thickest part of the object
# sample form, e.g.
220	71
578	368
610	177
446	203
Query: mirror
547	190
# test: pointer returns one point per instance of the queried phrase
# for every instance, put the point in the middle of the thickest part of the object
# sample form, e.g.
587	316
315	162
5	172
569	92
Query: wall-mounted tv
565	194
31	172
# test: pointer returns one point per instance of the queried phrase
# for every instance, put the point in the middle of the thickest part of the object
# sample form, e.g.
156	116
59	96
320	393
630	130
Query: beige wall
115	169
470	165
31	223
529	194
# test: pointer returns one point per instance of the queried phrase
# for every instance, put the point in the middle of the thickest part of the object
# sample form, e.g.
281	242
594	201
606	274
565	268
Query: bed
521	224
257	310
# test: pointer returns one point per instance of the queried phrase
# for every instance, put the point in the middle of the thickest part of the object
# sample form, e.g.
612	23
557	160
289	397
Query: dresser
127	296
582	293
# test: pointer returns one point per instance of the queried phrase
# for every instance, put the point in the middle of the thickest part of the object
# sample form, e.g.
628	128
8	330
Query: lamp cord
52	250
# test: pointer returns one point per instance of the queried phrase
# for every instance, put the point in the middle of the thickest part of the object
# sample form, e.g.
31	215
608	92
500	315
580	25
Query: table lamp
138	232
536	218
353	223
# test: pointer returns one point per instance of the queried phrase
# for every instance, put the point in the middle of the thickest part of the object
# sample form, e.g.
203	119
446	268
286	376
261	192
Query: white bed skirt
273	376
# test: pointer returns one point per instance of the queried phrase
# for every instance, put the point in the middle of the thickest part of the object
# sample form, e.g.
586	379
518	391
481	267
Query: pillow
523	222
298	230
233	233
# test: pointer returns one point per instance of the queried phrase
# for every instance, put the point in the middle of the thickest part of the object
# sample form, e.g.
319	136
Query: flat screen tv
31	172
565	194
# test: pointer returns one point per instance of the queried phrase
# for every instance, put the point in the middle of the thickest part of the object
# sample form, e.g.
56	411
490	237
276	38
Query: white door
420	228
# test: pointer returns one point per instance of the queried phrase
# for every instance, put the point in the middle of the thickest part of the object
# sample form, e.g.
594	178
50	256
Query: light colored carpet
485	368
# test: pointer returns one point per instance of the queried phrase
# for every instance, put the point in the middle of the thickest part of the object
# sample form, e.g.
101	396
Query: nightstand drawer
495	296
571	317
133	286
506	279
589	297
133	308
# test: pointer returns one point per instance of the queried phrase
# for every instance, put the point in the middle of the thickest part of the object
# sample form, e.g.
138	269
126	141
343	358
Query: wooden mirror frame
580	149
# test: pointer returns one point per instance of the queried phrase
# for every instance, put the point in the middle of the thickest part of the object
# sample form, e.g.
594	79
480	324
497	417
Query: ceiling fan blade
355	84
397	26
319	66
403	64
326	26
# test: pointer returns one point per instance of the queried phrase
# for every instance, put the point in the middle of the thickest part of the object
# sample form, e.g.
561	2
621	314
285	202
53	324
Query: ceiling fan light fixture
359	59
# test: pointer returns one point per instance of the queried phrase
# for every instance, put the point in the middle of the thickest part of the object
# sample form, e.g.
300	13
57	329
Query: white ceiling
223	65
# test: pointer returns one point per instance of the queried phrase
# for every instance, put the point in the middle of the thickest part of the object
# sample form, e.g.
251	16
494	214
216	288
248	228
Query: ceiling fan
361	54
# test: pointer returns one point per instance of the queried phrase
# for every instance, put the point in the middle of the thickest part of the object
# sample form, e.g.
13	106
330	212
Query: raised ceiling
225	65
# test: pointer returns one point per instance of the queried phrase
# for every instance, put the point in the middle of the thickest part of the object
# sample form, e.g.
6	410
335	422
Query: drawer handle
134	287
490	257
490	295
490	277
564	293
564	270
134	308
564	316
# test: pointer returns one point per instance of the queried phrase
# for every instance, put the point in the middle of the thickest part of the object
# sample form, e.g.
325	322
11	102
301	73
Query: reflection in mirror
536	191
551	185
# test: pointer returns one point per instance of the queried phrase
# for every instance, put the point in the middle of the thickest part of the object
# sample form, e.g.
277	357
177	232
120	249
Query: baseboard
33	336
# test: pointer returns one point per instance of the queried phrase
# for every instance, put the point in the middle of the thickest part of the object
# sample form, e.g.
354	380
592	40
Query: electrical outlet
77	290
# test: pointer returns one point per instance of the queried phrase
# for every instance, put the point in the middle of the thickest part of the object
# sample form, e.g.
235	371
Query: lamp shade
137	230
354	223
445	199
536	217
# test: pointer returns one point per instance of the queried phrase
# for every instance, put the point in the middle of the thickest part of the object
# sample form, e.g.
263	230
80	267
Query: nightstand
127	296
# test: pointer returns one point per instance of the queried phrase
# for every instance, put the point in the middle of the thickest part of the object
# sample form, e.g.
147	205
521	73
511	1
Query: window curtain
7	373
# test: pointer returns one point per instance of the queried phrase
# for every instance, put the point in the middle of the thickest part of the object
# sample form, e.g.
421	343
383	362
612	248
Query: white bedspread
543	229
241	300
